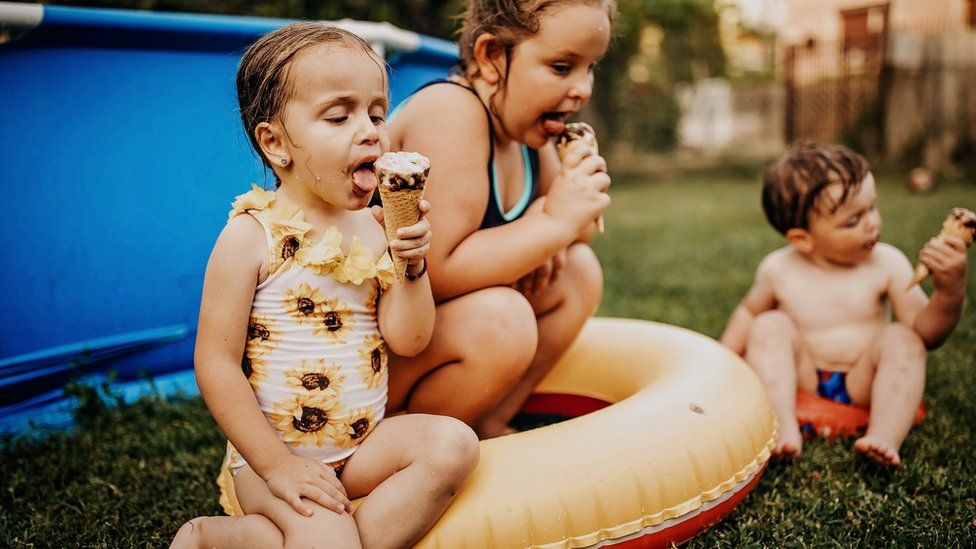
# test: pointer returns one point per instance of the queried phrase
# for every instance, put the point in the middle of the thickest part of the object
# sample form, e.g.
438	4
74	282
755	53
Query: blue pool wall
122	150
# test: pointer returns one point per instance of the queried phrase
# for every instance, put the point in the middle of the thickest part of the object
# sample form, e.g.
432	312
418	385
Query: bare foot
188	536
789	443
879	450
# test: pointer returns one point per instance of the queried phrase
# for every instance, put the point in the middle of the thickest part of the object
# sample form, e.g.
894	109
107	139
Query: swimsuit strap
491	126
495	213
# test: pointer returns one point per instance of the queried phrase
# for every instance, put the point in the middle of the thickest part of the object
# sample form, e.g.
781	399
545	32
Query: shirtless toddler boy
818	316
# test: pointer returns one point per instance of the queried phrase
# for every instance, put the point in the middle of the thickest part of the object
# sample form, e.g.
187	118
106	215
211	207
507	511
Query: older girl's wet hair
263	83
510	21
794	185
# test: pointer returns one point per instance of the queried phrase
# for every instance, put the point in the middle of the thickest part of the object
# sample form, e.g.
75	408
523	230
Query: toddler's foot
789	443
188	536
879	450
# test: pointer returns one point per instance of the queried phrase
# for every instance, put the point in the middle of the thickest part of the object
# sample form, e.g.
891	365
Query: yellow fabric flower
372	366
304	304
263	334
288	220
255	199
384	270
308	419
336	319
325	256
358	266
315	375
253	365
357	425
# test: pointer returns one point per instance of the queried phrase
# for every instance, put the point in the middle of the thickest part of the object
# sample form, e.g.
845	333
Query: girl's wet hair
794	185
263	83
510	21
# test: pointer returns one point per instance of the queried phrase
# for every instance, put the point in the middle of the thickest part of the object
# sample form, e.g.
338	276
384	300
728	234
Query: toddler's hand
946	259
579	193
412	242
294	477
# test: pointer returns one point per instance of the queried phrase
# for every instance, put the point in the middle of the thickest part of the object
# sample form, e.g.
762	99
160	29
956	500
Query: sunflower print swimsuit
314	355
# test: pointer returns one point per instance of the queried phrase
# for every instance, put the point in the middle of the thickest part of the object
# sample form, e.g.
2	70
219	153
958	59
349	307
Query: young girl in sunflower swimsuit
300	285
506	313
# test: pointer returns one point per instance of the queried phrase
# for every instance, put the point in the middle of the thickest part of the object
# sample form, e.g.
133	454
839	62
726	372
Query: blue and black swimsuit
495	213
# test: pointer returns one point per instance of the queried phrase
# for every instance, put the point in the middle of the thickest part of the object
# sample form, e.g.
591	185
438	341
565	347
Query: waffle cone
400	209
954	225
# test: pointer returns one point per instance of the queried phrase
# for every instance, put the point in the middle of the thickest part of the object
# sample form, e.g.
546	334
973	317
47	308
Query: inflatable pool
679	431
125	124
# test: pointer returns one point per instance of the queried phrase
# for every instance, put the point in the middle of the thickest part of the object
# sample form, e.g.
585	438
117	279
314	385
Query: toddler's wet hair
263	84
794	185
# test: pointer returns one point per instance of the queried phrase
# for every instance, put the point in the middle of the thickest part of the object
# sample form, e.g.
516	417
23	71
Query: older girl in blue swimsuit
510	268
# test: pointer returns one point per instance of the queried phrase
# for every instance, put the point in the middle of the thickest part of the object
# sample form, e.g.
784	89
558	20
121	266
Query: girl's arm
406	310
759	299
463	258
933	319
228	290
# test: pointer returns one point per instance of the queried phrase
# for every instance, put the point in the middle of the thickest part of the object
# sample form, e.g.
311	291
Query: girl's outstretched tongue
553	123
364	177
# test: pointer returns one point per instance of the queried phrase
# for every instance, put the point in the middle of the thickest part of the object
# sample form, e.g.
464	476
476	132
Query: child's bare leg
255	531
561	310
772	351
411	467
894	394
482	344
325	528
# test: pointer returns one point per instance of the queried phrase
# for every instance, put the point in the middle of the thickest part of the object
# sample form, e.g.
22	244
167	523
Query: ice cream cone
579	132
961	223
402	177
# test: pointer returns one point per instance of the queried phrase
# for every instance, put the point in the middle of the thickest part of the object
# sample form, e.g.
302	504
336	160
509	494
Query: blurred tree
657	44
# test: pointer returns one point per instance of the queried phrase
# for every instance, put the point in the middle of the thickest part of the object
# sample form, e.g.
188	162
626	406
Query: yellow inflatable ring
687	435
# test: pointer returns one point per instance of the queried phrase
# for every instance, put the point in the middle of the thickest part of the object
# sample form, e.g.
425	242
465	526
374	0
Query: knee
901	342
313	533
585	275
771	326
452	451
506	331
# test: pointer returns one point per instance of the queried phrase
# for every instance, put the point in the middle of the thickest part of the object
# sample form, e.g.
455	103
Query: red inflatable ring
828	418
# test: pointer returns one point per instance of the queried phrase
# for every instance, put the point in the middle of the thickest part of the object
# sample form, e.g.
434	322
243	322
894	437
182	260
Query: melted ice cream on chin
402	170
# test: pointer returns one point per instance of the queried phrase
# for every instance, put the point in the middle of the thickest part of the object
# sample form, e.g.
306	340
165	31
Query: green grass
680	250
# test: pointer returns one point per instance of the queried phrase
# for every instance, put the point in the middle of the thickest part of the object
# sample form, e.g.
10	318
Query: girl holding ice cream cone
300	304
510	268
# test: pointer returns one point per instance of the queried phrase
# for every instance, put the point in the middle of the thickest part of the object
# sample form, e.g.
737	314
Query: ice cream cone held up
961	223
402	177
583	133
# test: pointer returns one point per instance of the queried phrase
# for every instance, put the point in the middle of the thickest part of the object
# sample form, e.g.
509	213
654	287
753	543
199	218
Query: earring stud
284	161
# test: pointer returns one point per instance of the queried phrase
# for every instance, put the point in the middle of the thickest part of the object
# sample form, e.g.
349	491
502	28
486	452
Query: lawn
680	250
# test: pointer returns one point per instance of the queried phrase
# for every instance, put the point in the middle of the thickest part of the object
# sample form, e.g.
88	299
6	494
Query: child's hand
294	477
413	242
946	259
578	194
545	275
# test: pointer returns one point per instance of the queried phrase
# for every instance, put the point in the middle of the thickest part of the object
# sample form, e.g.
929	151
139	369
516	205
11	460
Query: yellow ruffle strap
288	229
